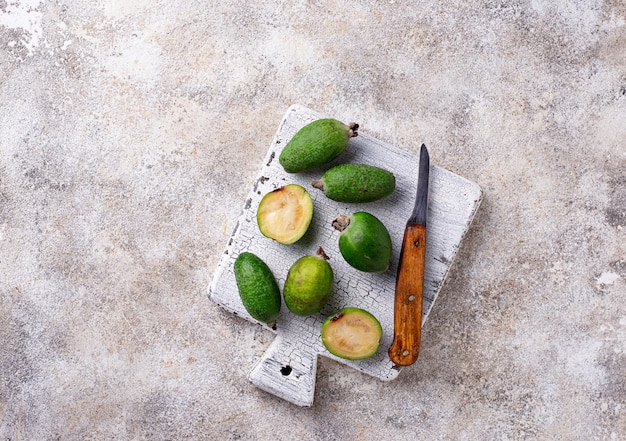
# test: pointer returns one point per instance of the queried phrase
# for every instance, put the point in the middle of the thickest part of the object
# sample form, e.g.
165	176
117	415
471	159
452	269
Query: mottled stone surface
131	132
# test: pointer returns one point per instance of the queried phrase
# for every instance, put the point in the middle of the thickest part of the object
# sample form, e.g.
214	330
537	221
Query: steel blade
418	217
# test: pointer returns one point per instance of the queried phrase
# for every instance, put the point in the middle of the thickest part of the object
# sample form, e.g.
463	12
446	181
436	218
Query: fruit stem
341	223
322	254
318	184
353	129
337	316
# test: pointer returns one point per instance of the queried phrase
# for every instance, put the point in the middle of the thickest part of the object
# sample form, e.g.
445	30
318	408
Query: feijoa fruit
364	241
356	183
352	333
316	144
257	287
285	213
309	284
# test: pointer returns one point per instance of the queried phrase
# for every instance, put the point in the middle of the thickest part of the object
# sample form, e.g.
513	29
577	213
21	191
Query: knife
410	277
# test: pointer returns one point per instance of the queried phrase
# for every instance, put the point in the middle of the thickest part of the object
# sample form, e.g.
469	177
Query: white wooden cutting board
288	367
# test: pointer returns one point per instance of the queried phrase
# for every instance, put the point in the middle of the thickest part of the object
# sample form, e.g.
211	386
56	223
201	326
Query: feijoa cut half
257	287
285	214
352	333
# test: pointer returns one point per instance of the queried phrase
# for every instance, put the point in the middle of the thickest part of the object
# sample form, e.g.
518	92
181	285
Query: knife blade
409	293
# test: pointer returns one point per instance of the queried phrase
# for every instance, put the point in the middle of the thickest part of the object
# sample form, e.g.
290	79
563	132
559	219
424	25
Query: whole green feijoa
356	183
257	286
316	144
309	284
364	242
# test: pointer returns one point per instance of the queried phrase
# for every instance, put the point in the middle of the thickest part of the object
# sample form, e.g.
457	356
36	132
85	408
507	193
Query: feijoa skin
364	242
356	183
352	333
309	284
316	144
285	213
258	289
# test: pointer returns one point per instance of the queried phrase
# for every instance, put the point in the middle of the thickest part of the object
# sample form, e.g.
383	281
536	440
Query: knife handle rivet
416	243
405	353
411	298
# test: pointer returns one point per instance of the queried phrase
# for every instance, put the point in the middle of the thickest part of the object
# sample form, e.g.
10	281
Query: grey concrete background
131	131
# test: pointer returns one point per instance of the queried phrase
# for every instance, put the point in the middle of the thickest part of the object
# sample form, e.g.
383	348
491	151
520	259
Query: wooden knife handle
409	293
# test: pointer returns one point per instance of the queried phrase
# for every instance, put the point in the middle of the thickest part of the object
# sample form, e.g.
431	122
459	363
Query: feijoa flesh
364	241
309	284
316	144
356	183
352	333
257	287
285	213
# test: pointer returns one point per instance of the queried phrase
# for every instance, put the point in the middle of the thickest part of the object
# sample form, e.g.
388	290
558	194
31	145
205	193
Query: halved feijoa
356	183
309	284
364	242
352	333
285	213
257	286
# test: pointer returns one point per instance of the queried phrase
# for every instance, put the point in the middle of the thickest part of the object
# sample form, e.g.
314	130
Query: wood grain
408	297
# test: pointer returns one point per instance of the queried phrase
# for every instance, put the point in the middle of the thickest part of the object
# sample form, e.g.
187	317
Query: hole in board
285	370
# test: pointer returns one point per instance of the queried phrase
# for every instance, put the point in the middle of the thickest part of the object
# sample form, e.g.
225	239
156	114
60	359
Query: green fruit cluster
285	214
